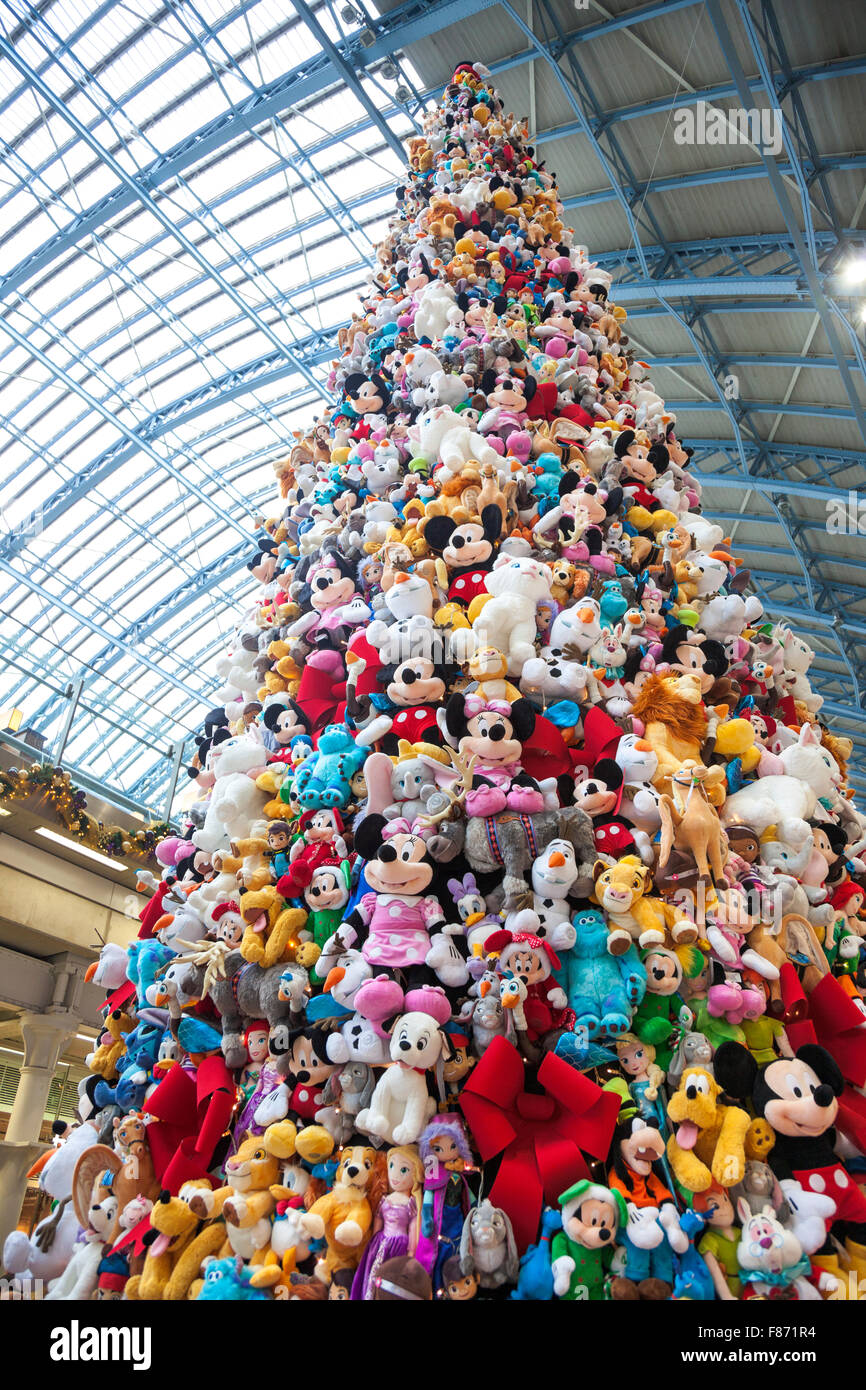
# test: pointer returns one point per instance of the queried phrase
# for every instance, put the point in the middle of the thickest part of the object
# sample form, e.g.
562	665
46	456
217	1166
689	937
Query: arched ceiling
191	195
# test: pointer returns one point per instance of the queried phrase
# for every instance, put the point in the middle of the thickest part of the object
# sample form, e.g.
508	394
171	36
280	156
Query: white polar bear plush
785	802
46	1253
235	800
727	614
443	435
507	621
706	535
443	388
435	302
237	670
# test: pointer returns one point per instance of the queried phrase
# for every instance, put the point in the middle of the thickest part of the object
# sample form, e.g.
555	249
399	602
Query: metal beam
773	170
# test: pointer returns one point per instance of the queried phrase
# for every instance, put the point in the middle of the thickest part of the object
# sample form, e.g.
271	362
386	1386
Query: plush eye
422	1042
795	1087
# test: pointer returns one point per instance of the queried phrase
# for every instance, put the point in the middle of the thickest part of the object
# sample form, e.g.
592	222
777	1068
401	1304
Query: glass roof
168	319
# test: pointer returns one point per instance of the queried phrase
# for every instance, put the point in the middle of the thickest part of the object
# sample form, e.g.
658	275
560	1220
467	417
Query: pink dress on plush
398	928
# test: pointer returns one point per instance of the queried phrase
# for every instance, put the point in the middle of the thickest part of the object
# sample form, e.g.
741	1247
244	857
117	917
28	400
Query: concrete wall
48	905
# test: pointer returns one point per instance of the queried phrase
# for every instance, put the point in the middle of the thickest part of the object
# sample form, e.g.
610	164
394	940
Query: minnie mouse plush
468	550
393	922
328	595
493	732
533	961
508	399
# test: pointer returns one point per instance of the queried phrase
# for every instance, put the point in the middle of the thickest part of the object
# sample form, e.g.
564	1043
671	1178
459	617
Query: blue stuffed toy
692	1277
613	603
229	1280
601	989
535	1280
324	778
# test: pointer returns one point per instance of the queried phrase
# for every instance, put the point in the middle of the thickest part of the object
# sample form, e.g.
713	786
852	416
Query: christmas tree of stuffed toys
521	862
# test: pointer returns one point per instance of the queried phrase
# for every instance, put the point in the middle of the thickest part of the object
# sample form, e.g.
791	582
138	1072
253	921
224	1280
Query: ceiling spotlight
349	14
854	271
402	94
389	72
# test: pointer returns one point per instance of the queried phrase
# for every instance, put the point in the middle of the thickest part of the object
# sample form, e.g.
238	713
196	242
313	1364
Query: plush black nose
591	789
824	1096
405	1045
604	1233
458	542
410	677
387	854
165	1195
497	734
352	1171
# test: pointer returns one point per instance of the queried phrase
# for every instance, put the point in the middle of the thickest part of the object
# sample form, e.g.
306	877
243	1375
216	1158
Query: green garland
70	803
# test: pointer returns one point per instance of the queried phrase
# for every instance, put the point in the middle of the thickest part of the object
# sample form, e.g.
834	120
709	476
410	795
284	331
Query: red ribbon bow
540	1137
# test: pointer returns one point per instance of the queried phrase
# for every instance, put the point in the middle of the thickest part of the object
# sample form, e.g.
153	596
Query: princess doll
638	1061
444	1149
397	1220
256	1044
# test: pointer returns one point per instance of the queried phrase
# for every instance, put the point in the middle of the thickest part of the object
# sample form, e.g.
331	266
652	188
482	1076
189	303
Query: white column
45	1036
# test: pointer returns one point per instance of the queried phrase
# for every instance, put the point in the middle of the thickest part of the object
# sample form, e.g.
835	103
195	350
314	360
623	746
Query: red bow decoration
540	1137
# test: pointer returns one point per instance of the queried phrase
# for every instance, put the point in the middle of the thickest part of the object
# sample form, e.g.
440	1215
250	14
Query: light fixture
10	721
389	71
81	849
854	271
402	94
86	1037
4	812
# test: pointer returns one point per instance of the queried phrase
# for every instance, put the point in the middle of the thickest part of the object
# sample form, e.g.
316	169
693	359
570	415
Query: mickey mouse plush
284	719
642	464
468	550
414	690
600	795
798	1096
694	654
367	394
